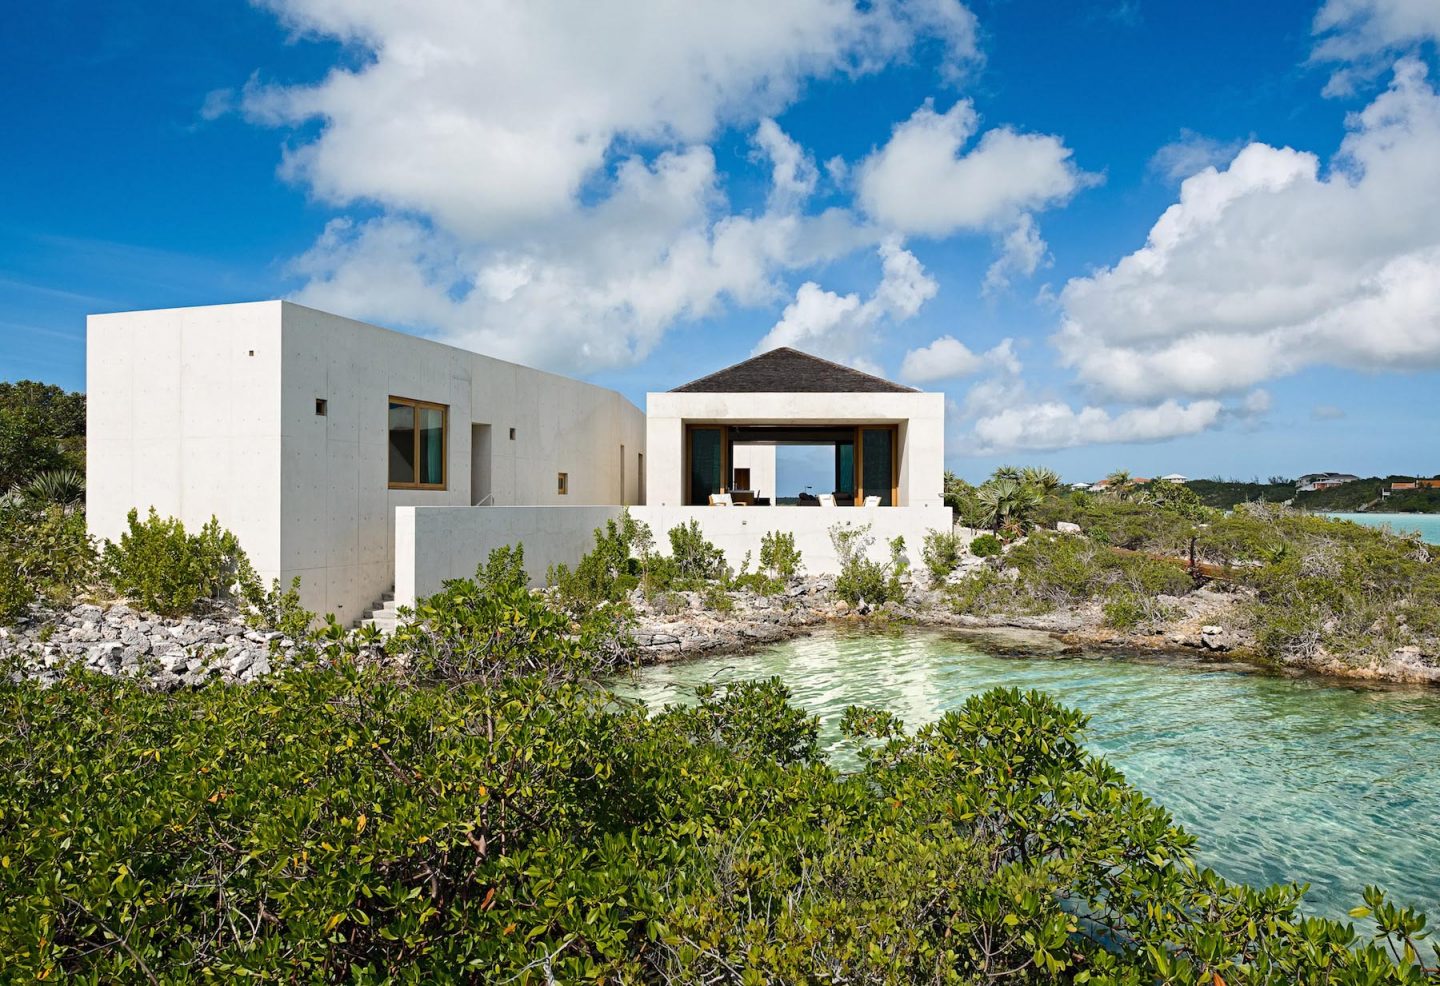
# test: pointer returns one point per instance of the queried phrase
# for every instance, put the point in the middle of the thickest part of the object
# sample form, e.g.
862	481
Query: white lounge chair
721	500
827	499
872	501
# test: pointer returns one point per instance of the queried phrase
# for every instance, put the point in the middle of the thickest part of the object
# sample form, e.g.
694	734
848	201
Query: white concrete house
362	459
304	433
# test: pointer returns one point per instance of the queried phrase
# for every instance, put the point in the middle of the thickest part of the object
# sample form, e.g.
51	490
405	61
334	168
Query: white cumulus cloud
1054	425
947	358
1274	264
1363	34
925	181
843	327
536	177
488	114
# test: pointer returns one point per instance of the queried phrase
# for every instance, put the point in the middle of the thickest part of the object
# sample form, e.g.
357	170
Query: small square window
252	352
563	486
322	406
512	434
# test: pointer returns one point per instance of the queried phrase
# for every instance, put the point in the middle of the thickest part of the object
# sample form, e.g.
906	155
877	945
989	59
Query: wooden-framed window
419	441
562	483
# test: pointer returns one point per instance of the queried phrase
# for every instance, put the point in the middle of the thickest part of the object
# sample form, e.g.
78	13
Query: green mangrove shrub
492	626
609	571
695	559
941	553
343	824
862	578
986	546
779	556
167	570
46	556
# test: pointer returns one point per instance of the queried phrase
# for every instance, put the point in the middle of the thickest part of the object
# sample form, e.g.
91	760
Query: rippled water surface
1281	778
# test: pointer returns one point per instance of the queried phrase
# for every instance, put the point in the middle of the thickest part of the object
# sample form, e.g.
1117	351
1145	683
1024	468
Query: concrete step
381	612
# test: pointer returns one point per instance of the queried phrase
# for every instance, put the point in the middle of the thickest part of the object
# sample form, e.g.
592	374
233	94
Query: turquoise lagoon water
1281	778
1427	524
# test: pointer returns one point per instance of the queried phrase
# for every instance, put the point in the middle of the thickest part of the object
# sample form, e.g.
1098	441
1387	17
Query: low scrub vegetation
167	570
46	556
1327	587
516	825
1057	570
941	553
861	578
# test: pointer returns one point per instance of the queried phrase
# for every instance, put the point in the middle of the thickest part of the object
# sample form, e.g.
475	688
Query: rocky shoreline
169	653
221	647
1208	623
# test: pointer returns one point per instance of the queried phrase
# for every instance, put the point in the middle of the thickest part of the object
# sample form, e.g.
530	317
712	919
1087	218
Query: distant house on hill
1176	478
1417	484
1311	482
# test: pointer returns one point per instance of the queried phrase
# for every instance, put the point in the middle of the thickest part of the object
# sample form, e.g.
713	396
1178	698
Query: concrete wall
184	410
760	460
921	433
438	543
339	511
213	411
736	530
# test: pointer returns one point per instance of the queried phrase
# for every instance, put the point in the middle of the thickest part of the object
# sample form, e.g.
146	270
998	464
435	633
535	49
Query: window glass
875	456
705	464
402	443
432	446
417	444
845	467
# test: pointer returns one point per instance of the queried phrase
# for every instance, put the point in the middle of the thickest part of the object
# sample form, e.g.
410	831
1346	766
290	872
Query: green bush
1328	586
493	626
46	555
861	578
344	825
757	582
941	553
779	556
984	591
279	609
696	559
168	571
1060	569
609	571
986	546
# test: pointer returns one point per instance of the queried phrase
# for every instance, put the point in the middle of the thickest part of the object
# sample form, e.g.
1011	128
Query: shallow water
1281	778
1428	525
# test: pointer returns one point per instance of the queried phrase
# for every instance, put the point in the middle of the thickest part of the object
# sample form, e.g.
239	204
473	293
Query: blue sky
639	198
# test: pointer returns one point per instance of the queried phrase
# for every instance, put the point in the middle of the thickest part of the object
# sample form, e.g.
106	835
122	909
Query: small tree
168	571
779	555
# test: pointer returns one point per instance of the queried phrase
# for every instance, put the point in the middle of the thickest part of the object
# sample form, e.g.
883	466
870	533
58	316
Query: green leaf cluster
861	577
46	555
341	823
168	570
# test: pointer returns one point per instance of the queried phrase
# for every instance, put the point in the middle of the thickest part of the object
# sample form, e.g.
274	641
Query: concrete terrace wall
438	543
433	544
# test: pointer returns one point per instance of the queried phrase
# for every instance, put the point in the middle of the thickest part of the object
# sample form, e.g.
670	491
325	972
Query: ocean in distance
1427	524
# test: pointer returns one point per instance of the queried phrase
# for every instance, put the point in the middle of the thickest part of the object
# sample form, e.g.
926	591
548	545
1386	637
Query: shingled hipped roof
789	371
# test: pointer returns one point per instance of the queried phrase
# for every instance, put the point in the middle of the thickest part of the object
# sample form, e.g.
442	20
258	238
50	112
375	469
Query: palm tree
1010	473
1045	480
1004	501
